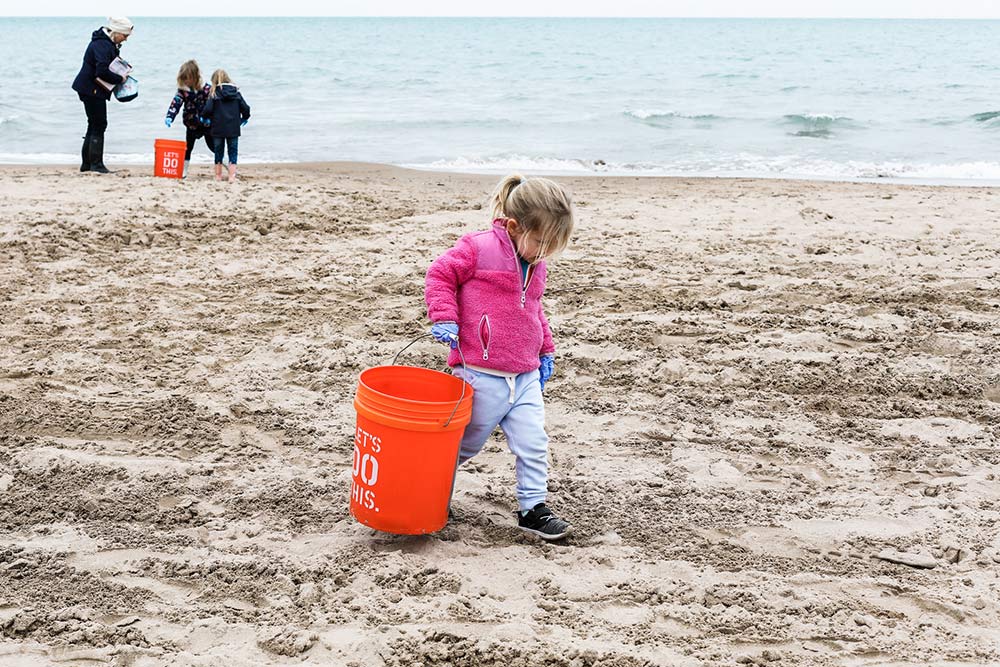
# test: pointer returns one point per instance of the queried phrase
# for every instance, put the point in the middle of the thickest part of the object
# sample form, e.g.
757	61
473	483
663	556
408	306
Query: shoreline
133	169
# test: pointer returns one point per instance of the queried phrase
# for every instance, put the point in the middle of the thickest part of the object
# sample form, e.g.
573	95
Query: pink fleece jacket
500	320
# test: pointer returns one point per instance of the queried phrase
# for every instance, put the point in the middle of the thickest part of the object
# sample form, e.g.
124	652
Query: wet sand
767	394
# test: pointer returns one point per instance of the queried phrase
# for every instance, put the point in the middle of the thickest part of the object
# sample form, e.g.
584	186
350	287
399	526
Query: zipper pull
484	335
522	299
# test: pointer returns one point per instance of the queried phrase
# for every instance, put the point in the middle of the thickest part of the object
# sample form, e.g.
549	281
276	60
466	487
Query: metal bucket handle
460	355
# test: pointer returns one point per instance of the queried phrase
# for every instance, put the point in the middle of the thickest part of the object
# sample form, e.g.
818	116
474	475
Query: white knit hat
120	24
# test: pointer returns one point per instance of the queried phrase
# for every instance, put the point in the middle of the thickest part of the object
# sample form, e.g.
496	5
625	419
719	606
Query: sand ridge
765	392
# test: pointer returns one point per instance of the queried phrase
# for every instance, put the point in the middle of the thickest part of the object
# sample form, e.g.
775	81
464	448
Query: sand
774	423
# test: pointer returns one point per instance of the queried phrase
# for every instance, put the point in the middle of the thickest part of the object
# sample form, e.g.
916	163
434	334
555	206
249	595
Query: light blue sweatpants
515	404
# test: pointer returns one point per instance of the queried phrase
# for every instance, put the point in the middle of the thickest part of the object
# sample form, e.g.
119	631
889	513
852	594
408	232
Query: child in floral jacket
191	96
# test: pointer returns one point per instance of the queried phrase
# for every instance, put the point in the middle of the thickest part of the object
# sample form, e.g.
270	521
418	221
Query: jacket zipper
527	279
517	268
485	332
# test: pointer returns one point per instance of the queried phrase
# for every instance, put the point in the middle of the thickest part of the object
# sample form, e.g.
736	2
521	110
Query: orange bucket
409	427
169	161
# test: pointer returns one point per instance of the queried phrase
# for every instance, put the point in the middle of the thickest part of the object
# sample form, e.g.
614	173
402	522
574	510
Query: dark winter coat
225	111
193	103
99	54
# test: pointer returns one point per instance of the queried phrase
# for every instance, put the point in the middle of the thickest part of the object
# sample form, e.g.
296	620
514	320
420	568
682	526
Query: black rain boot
85	153
97	154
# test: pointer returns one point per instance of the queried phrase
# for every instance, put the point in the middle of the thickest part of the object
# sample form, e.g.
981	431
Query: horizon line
532	16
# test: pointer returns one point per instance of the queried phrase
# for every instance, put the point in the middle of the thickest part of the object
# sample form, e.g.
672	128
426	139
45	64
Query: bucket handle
460	355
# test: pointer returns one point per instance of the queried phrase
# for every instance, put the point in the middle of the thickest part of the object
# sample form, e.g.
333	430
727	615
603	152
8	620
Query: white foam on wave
123	158
646	114
743	165
817	116
794	167
652	115
517	162
38	158
980	170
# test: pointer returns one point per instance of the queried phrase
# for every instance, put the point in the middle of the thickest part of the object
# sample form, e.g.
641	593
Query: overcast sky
680	8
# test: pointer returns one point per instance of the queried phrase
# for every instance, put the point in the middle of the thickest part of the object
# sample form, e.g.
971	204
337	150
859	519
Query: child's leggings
515	404
192	138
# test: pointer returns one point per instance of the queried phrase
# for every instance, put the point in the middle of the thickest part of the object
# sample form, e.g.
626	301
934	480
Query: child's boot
232	172
542	522
187	163
218	171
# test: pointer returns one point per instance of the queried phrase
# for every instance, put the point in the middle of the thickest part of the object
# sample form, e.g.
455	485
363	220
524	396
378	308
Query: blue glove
167	121
207	122
546	366
446	332
244	123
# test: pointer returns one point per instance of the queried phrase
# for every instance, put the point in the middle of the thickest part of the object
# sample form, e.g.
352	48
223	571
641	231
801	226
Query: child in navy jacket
225	113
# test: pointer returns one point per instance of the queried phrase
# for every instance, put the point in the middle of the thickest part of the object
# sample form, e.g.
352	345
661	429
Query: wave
989	118
643	114
985	116
53	158
816	126
822	169
729	75
551	165
742	165
796	167
963	171
430	123
658	117
941	122
812	119
123	158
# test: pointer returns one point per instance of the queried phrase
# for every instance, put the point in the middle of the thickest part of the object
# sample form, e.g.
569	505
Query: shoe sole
547	536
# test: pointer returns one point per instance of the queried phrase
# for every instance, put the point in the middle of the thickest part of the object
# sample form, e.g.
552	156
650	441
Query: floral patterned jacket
193	102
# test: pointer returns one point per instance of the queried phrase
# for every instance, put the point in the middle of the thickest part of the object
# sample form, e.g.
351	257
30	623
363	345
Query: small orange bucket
169	161
409	427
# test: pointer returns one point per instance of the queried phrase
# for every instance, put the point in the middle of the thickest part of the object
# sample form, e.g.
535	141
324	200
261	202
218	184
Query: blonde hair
219	77
189	76
538	205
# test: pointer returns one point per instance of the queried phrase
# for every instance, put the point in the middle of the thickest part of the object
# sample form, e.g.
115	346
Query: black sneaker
542	522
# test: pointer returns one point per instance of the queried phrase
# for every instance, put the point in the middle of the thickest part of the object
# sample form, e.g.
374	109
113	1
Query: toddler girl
485	294
191	95
225	112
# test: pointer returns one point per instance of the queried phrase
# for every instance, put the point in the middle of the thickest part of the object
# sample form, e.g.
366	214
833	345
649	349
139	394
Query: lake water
841	99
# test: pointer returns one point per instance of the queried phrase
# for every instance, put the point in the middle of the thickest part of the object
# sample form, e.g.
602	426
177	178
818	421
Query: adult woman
104	46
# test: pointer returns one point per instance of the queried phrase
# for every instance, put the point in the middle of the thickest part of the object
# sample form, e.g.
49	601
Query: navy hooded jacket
100	53
225	110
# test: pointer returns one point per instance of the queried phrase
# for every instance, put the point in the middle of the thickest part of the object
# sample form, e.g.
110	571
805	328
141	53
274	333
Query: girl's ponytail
498	201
